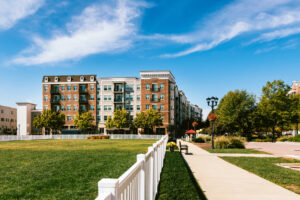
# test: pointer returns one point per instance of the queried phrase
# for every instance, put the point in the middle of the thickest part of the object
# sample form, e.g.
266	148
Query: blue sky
211	47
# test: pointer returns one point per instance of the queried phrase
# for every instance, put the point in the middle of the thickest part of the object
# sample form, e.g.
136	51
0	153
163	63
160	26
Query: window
46	107
147	96
138	97
162	86
56	108
81	78
75	97
92	87
63	108
129	87
46	98
46	88
63	98
128	97
56	97
69	78
56	79
147	87
107	87
82	98
68	108
98	107
82	108
98	87
107	97
107	107
154	87
129	107
162	96
172	87
75	107
147	106
162	117
105	118
46	79
82	88
98	97
138	87
98	118
69	87
75	87
69	118
162	107
154	106
154	98
92	97
69	98
138	107
92	108
92	78
56	88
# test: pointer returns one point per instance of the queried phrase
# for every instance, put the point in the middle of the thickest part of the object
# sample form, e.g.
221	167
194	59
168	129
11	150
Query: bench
183	147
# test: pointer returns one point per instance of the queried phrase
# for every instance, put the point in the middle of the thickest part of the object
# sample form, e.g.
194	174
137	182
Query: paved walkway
286	149
245	155
221	180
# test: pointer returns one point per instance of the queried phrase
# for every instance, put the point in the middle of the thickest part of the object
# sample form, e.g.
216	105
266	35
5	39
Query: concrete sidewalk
221	180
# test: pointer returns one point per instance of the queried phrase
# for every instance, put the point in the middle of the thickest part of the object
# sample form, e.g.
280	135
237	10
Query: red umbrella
191	132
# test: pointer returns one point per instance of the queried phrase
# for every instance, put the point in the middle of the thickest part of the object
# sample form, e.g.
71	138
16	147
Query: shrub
284	138
223	142
263	140
99	137
294	138
199	140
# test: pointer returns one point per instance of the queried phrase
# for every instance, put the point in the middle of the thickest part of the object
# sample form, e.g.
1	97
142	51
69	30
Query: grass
243	151
63	169
177	181
266	168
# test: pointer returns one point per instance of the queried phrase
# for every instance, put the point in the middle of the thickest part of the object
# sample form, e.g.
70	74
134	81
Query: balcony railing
155	100
118	100
118	90
55	100
54	91
155	89
83	90
83	101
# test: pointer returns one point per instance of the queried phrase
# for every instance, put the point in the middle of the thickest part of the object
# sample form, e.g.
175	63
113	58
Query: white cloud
98	29
11	11
240	17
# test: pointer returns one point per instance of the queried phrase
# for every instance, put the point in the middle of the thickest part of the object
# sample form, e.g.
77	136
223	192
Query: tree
84	121
274	106
235	112
49	120
109	123
121	119
148	120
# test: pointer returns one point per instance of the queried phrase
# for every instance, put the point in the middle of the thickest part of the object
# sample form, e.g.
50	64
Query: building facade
295	88
8	120
73	94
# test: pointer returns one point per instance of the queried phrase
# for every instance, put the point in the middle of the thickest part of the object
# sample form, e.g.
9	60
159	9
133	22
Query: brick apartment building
295	88
8	120
153	89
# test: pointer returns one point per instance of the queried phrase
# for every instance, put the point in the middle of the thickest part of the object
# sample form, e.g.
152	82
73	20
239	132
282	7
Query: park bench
183	147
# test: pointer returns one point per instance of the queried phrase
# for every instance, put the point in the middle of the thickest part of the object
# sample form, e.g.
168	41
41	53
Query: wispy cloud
11	11
100	28
240	17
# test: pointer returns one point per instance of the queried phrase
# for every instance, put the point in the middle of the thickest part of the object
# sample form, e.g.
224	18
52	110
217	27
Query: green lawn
63	169
246	151
265	168
177	181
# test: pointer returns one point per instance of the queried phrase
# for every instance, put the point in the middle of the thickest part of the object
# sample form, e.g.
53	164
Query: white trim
55	83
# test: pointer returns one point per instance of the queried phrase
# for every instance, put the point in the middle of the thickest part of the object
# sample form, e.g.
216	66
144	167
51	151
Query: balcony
118	100
83	90
55	101
118	90
83	101
155	89
54	91
155	100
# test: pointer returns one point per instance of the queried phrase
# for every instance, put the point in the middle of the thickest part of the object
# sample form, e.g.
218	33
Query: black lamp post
212	102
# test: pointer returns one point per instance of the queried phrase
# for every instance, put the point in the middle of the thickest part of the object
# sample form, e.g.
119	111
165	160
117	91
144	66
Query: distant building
295	88
72	94
8	120
26	113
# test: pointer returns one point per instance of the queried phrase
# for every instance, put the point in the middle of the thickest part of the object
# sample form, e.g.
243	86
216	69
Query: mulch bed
203	145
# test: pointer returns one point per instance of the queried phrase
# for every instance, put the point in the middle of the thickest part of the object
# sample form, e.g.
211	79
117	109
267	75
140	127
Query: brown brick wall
165	102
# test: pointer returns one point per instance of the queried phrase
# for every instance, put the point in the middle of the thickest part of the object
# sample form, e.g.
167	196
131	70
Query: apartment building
295	88
117	93
80	93
69	95
8	120
26	112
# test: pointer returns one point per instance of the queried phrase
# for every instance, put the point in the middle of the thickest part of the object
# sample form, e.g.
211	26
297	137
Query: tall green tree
148	119
121	119
235	112
49	120
274	105
109	123
84	121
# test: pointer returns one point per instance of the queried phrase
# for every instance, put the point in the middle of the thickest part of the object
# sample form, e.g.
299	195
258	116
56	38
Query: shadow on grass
177	181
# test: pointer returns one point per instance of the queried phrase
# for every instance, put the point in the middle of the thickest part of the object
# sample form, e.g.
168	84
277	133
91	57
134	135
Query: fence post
108	186
142	178
151	174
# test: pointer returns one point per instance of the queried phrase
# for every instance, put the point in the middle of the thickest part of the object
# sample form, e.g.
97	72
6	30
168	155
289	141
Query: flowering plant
171	144
212	117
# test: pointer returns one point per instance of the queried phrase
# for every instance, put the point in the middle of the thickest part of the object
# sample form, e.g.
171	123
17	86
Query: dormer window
46	79
56	79
81	78
69	78
92	78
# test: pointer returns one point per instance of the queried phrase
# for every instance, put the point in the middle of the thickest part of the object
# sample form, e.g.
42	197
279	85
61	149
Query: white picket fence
140	181
76	136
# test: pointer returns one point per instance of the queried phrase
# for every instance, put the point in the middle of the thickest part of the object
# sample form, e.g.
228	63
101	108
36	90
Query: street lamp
212	102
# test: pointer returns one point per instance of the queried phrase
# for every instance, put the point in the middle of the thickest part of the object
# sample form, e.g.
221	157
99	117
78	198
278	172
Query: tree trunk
43	130
273	134
51	132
